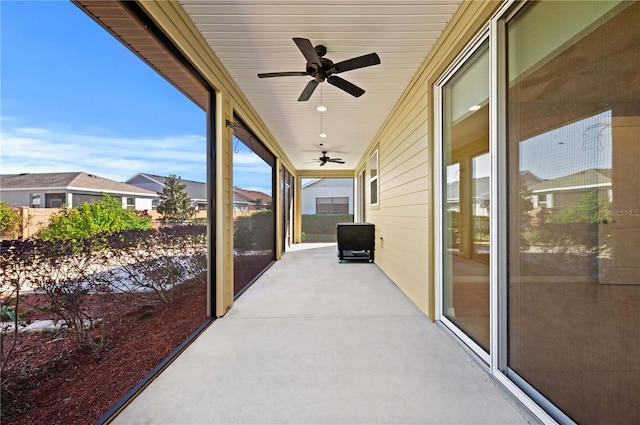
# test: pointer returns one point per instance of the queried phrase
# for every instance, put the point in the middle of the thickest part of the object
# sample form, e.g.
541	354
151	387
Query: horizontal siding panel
406	200
407	188
408	211
410	124
412	154
403	176
408	269
401	226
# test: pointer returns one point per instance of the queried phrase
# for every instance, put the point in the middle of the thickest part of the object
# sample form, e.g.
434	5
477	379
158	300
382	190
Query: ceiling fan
321	69
324	159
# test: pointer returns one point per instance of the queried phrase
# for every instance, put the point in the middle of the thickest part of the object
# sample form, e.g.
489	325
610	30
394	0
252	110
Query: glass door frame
440	193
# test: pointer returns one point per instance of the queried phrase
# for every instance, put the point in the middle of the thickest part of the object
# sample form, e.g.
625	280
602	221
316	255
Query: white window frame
374	179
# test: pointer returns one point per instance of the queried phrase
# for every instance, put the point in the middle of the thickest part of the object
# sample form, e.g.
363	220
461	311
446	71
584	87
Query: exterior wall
23	199
18	199
404	214
145	183
142	204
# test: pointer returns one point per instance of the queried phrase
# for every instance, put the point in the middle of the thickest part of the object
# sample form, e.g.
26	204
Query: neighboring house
479	197
327	196
197	190
54	190
567	190
246	202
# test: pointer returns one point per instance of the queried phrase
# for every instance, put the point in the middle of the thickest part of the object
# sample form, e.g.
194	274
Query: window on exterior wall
332	205
287	188
361	197
54	200
374	186
131	203
35	200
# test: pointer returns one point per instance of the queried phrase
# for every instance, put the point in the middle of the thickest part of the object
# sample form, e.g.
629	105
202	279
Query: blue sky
73	98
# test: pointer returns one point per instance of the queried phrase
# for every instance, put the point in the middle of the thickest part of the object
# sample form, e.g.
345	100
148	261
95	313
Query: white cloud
32	149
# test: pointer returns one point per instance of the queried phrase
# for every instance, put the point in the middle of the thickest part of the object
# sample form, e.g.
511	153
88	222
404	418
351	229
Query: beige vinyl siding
404	215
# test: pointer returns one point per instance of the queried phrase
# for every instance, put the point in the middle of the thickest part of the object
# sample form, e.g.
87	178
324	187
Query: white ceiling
255	36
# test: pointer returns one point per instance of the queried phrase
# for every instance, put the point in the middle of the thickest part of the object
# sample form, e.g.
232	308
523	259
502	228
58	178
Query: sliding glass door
538	237
573	143
465	198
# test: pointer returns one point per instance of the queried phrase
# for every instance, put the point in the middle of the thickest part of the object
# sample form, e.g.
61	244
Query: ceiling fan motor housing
321	74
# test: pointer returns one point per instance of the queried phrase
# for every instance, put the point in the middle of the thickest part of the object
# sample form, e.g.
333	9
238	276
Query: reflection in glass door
573	257
480	196
467	168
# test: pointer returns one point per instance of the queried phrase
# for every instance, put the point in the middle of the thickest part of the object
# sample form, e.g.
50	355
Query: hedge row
314	225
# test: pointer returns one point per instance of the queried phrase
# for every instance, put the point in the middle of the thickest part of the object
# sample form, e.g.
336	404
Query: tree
92	218
175	204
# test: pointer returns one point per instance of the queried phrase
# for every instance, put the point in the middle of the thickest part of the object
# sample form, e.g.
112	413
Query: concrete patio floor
318	342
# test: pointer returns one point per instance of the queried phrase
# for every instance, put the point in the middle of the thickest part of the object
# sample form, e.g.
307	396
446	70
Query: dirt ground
49	380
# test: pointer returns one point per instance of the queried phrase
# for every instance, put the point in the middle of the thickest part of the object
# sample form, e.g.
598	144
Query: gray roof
68	181
195	190
587	178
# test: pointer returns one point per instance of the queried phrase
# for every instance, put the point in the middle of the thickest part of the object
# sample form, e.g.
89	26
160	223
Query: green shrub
481	228
253	232
322	227
103	217
242	234
9	220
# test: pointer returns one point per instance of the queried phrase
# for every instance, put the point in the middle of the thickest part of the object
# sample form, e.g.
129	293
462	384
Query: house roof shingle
585	178
253	195
196	190
67	180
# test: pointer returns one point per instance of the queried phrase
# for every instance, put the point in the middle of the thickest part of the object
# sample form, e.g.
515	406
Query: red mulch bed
49	380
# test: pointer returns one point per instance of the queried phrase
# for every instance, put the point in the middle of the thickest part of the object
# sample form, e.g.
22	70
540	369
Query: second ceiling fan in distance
324	159
321	69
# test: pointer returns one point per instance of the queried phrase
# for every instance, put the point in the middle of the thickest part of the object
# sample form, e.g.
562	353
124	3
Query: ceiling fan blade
336	160
307	50
343	84
355	63
282	74
308	91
